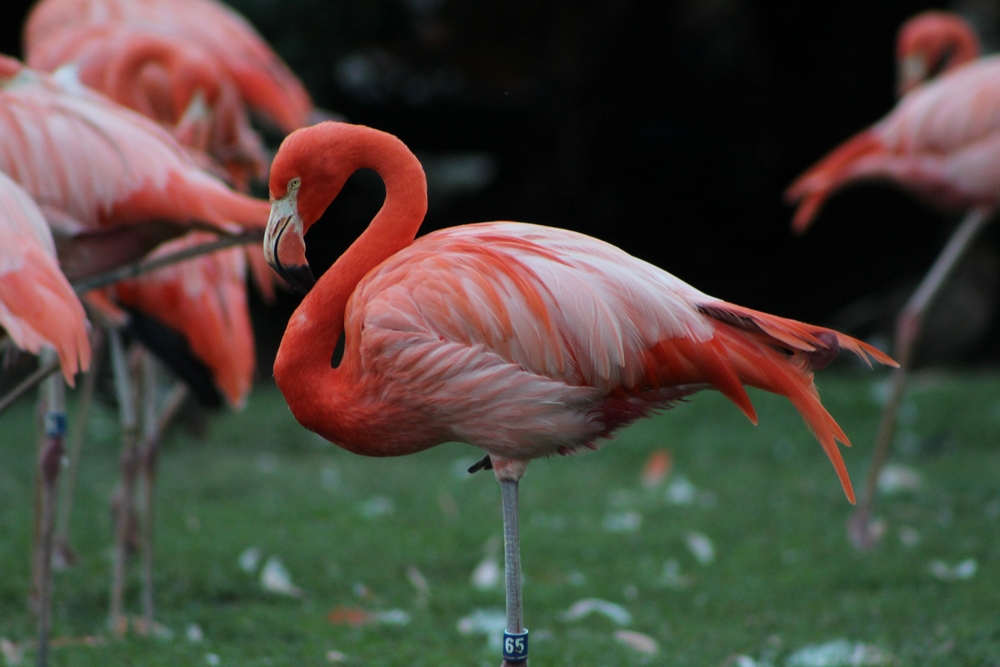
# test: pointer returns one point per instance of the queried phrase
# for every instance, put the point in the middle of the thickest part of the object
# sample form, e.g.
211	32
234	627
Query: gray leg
515	639
908	325
50	458
129	425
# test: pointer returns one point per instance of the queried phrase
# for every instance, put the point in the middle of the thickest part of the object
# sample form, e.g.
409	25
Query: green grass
783	576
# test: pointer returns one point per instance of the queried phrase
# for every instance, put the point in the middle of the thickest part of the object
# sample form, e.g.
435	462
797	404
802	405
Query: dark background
667	128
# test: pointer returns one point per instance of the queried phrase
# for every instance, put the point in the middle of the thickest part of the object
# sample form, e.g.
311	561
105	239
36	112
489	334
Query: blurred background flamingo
942	142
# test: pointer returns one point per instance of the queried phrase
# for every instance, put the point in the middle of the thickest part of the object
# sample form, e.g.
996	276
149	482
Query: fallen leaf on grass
356	617
964	570
657	468
336	656
838	653
274	578
617	613
636	640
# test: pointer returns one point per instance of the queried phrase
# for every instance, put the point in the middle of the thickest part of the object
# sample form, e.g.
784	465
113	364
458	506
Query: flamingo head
307	173
931	43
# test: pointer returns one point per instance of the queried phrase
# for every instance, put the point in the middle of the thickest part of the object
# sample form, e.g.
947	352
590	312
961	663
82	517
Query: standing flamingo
522	340
266	84
932	43
942	142
40	312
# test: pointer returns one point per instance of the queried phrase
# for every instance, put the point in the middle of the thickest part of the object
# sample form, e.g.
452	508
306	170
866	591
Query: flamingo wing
37	304
102	164
204	299
264	80
562	338
942	140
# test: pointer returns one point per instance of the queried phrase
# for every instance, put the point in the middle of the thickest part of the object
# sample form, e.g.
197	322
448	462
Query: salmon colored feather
38	308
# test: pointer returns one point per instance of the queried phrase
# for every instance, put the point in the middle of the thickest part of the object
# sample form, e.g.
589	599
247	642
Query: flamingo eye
294	183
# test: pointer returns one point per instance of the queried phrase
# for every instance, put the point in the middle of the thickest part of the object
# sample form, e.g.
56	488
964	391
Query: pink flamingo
941	142
39	310
932	43
266	84
522	340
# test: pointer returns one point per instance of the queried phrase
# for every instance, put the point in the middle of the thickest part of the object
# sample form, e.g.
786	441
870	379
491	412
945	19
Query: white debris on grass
212	659
486	576
701	547
489	622
622	522
336	656
249	560
961	571
838	653
329	478
376	506
636	640
909	537
193	633
615	612
12	653
896	478
391	617
419	583
672	576
275	578
680	491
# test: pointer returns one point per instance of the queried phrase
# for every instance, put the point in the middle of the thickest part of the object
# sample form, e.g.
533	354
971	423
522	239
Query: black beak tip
299	277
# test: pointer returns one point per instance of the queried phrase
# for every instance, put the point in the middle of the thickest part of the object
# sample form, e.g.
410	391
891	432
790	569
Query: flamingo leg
515	640
860	529
49	461
63	554
127	461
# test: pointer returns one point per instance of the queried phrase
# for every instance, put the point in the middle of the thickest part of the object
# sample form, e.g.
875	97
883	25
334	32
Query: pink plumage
38	308
942	141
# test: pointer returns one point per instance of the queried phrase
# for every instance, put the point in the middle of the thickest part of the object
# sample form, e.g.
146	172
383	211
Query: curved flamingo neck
331	401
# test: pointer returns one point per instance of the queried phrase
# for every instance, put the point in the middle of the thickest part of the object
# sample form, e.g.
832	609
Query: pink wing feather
942	140
102	164
266	83
563	338
37	305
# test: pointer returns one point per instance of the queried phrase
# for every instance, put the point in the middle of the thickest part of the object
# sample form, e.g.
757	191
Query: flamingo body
98	165
523	340
942	141
264	81
38	307
205	300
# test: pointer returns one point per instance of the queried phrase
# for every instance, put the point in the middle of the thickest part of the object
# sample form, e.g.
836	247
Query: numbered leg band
515	646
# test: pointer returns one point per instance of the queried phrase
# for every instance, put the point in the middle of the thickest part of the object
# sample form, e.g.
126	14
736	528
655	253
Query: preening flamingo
522	340
942	142
932	43
267	85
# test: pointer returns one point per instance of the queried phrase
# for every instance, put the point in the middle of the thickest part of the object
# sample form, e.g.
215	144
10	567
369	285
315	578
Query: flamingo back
101	164
38	307
528	341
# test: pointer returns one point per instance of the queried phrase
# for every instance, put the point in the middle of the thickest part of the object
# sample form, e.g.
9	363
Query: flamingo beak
284	245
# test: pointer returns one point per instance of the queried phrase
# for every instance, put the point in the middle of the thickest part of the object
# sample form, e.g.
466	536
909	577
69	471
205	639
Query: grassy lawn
355	532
